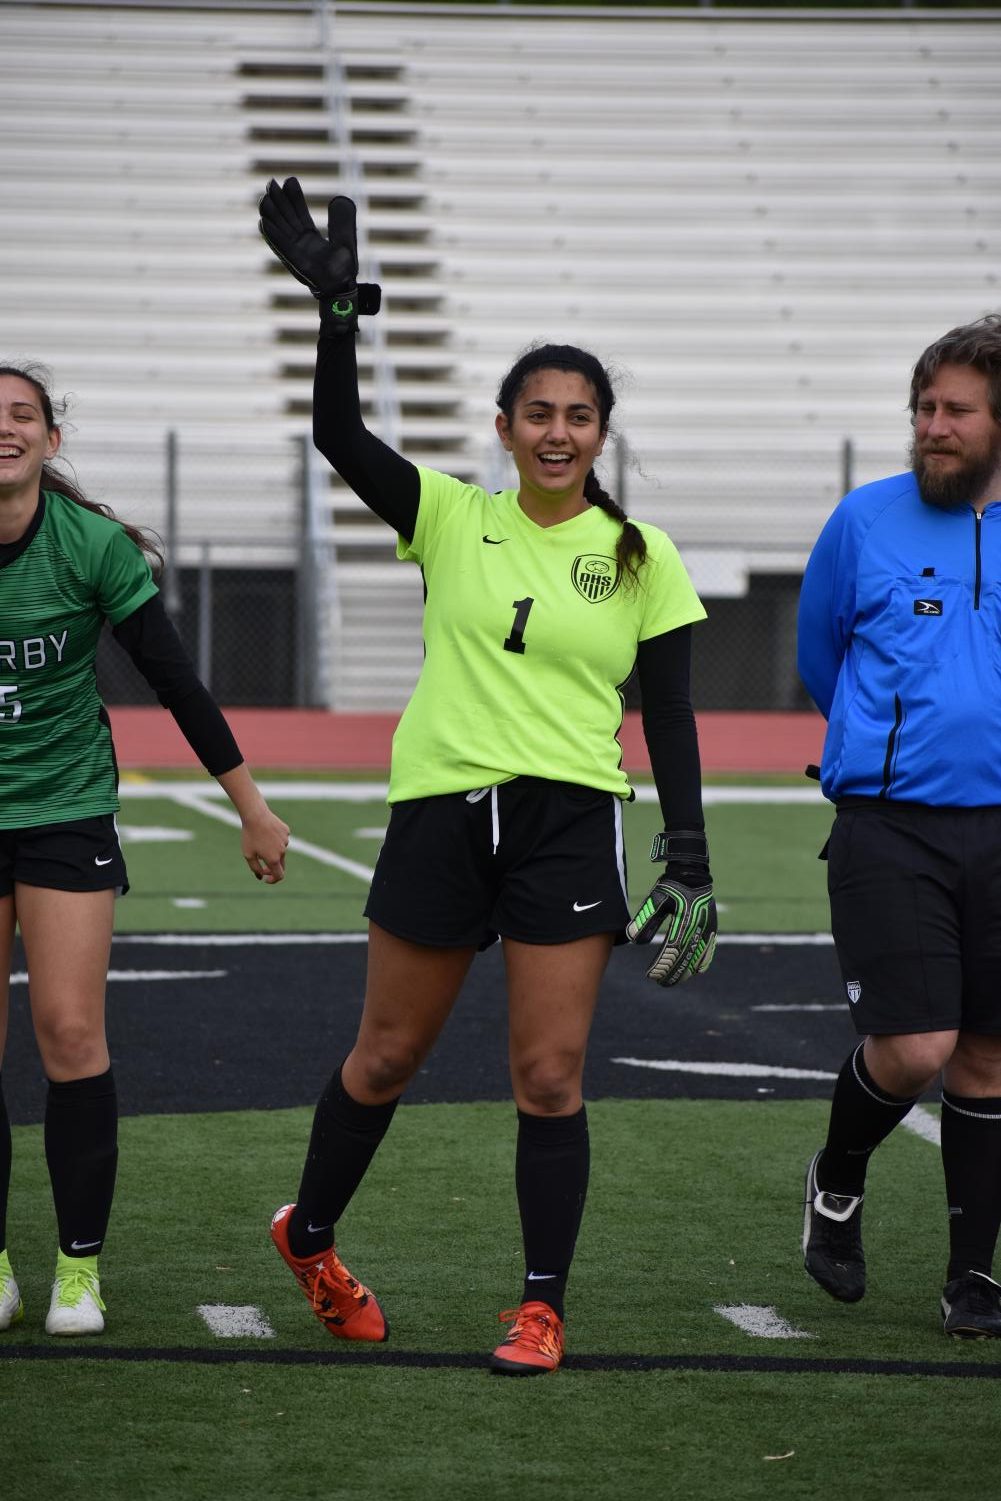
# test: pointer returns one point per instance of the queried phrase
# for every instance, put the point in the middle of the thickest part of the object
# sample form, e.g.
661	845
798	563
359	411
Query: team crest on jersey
595	577
854	990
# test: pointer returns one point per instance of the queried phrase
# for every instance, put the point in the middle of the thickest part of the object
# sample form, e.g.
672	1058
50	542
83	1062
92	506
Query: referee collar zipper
977	560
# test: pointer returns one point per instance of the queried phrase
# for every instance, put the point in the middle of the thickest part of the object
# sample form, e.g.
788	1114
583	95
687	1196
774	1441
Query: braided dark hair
56	479
630	550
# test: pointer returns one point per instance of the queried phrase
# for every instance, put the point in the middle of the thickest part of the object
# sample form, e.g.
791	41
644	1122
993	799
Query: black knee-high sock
343	1142
971	1160
552	1164
5	1161
81	1150
862	1115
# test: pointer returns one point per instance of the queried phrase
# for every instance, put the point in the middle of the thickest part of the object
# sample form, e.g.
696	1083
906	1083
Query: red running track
304	739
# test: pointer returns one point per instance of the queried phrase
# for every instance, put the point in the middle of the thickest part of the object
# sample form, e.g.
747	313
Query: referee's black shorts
916	915
529	859
81	854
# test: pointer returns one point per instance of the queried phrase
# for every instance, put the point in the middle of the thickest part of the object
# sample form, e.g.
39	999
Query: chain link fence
259	611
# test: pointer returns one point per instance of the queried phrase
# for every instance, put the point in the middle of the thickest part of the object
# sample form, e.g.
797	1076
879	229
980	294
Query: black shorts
82	854
916	916
529	859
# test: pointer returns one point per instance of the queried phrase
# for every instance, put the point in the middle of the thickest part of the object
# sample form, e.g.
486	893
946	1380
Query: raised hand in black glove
683	899
328	267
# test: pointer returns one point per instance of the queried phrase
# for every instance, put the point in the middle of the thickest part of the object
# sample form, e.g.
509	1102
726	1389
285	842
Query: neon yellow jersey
56	755
529	636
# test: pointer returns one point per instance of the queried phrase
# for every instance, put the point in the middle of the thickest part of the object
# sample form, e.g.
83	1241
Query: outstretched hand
326	266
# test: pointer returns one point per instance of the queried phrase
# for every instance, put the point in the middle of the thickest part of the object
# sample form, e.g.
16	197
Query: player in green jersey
67	566
506	783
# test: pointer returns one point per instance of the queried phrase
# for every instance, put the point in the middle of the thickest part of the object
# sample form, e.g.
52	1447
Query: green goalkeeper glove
328	267
683	899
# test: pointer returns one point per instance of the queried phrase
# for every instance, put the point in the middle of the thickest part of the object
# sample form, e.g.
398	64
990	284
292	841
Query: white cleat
11	1307
76	1306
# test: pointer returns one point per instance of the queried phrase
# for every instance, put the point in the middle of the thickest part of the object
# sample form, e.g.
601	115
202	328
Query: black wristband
339	311
685	846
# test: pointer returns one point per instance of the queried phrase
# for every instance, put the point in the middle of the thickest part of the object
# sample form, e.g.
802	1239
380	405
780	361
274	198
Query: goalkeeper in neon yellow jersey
506	782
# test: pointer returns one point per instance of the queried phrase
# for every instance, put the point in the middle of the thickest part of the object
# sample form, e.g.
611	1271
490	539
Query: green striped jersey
529	635
56	756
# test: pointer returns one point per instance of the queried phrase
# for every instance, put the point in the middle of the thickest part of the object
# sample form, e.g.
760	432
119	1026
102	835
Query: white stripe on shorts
620	853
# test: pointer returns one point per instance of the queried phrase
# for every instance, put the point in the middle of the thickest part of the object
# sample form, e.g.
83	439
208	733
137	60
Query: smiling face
554	434
26	440
956	453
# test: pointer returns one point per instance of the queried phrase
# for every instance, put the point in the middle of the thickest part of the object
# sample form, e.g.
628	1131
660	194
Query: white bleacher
759	222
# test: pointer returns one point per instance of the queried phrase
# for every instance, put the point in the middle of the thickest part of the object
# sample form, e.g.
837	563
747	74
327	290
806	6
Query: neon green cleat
76	1306
11	1307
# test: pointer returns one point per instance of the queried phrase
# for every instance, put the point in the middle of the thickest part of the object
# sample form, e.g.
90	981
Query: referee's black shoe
971	1307
832	1239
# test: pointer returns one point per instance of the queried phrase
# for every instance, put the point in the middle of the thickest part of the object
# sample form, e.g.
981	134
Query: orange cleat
344	1307
533	1344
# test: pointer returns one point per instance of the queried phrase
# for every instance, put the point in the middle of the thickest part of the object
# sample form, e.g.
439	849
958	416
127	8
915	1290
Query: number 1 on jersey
516	640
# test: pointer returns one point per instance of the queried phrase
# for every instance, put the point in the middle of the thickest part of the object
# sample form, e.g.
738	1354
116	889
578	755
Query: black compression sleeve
664	666
388	483
157	650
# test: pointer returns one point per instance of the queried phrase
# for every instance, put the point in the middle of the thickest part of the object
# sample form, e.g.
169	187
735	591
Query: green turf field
764	855
694	1209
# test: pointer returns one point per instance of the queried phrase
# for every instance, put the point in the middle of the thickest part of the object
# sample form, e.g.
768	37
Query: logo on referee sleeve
854	989
595	577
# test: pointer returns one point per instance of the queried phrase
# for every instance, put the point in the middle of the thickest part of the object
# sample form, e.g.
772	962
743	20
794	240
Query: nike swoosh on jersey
103	862
496	541
585	906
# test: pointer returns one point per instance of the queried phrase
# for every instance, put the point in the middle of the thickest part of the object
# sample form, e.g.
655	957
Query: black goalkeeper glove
328	267
683	899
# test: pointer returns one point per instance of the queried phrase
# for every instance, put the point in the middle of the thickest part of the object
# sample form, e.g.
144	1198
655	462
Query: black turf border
781	1365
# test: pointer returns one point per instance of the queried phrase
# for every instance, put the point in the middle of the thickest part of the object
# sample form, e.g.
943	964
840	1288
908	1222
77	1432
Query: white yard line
309	792
236	940
236	1321
762	939
804	1006
725	1070
760	1322
778	940
200	803
321	791
130	976
924	1124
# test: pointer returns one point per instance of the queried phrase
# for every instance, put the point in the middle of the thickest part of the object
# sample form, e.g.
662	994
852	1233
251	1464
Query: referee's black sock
862	1115
552	1164
343	1142
81	1150
971	1160
5	1160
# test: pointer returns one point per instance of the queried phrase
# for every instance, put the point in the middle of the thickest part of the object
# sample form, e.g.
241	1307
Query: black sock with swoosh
81	1151
344	1139
552	1166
